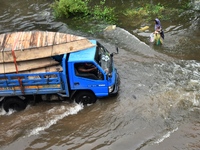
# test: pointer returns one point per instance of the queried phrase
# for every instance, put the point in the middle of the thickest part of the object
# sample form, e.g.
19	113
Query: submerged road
157	106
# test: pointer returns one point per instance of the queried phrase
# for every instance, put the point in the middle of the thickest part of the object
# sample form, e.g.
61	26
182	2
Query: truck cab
92	85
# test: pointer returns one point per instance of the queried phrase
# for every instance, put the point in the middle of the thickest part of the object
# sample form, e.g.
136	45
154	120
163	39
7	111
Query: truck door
88	76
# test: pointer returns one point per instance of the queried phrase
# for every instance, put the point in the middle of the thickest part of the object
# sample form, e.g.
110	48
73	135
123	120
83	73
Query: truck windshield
103	58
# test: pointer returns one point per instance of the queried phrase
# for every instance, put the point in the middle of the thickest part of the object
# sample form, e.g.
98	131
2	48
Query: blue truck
17	90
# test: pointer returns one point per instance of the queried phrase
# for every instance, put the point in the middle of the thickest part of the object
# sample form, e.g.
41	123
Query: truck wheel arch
85	97
14	103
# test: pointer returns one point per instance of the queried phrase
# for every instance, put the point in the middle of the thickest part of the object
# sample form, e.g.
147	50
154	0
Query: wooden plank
50	37
42	52
6	44
2	38
33	45
44	69
25	40
27	65
30	39
18	41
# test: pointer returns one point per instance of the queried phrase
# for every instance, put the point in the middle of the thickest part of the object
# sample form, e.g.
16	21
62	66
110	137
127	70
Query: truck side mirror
117	49
109	75
112	54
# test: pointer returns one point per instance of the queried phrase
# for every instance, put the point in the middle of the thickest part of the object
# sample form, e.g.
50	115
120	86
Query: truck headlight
111	88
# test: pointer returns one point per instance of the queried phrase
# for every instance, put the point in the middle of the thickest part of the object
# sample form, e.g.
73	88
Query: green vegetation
94	15
67	8
103	12
81	8
145	11
148	12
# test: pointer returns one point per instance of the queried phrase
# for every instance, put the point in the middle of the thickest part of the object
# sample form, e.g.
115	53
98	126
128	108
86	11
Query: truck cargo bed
32	83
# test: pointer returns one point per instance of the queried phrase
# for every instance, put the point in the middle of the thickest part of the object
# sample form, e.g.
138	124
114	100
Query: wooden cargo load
31	50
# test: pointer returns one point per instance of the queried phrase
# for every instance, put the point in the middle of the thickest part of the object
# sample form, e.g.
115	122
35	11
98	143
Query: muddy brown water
157	106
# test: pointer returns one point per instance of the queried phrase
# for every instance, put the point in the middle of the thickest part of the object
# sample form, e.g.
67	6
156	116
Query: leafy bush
80	8
149	11
103	12
145	11
67	8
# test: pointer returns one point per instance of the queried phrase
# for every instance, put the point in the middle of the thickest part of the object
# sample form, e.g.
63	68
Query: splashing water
56	118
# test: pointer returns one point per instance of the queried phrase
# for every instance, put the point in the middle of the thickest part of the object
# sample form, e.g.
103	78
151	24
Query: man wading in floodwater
158	28
158	35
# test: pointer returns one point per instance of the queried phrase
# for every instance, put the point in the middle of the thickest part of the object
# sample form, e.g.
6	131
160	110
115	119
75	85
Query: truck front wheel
14	103
85	97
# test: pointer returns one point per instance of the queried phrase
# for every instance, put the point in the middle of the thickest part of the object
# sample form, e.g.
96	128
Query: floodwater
158	105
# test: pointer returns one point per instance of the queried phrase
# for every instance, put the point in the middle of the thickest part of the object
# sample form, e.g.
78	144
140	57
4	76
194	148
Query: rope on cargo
15	62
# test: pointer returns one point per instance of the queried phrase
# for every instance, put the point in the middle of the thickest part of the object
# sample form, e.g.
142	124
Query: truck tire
85	98
14	103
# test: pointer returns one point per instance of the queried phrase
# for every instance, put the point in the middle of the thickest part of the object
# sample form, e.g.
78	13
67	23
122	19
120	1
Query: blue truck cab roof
83	55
